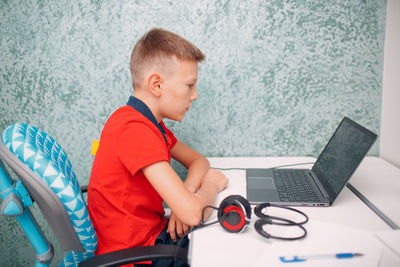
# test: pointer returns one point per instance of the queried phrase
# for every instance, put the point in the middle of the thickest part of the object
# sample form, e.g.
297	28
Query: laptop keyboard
294	185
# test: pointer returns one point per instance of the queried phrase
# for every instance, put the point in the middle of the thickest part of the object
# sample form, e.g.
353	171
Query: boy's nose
194	95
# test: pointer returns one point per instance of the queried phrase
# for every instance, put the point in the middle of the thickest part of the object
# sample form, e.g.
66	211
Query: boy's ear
154	84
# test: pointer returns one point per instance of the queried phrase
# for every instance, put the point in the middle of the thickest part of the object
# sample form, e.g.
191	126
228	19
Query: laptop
322	184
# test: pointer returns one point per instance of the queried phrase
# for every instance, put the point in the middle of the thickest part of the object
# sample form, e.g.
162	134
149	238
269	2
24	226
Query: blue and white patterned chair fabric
46	173
45	157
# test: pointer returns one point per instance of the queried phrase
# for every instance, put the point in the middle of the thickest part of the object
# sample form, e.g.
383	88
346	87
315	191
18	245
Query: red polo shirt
125	209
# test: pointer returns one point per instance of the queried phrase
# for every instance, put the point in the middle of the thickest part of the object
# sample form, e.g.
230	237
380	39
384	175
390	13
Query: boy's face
179	90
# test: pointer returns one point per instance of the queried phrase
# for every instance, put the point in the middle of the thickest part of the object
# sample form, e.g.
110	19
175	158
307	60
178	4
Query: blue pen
319	257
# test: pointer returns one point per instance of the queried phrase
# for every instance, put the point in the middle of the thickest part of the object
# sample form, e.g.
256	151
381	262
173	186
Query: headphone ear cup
234	213
239	201
233	219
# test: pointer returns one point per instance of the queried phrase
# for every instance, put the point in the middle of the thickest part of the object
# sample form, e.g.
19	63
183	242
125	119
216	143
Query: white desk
347	225
379	182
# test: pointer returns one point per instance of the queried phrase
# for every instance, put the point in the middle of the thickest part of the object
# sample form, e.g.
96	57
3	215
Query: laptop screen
342	155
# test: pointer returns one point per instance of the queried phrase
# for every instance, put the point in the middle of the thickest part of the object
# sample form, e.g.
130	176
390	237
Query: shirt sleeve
139	145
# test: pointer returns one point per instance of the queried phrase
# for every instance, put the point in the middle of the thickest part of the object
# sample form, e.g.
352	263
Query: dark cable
276	167
201	225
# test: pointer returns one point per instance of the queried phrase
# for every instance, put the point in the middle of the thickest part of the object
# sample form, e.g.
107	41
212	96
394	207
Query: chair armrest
137	254
84	188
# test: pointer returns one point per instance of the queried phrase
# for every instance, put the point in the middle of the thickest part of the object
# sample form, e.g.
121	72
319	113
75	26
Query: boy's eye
190	86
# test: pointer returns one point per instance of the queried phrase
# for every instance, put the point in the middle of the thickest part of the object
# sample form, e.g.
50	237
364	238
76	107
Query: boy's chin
177	118
180	118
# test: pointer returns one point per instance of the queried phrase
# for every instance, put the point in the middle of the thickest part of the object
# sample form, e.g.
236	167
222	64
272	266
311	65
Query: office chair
45	176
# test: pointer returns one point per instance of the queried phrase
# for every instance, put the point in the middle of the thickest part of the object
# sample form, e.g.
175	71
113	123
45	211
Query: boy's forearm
212	183
196	172
207	194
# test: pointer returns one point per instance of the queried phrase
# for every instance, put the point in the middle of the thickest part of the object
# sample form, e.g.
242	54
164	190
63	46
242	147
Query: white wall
390	128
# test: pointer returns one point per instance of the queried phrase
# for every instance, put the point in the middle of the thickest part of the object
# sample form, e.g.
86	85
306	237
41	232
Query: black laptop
322	184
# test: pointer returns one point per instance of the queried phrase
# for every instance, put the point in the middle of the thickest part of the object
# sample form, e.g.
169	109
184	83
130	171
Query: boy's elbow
193	221
193	218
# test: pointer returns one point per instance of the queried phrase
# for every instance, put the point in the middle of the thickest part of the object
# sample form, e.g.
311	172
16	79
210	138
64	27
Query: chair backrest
47	175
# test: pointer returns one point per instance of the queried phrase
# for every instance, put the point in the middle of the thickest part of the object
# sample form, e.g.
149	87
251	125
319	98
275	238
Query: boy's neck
141	107
149	103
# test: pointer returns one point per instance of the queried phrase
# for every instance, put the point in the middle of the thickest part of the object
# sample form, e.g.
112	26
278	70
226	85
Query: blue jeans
165	239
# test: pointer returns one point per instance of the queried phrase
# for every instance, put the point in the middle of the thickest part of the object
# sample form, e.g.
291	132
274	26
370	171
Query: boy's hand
216	177
175	226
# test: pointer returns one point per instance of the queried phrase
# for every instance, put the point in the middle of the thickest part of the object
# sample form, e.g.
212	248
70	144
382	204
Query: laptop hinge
319	185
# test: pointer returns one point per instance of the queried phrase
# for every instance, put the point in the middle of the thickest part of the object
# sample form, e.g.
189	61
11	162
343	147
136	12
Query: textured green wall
278	78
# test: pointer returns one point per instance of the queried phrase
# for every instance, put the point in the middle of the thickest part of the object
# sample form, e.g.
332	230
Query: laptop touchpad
260	182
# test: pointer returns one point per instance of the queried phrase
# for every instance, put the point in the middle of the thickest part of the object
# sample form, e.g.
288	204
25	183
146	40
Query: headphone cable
201	225
276	167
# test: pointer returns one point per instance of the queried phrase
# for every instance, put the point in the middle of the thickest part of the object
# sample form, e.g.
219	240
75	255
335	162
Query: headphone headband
261	222
258	211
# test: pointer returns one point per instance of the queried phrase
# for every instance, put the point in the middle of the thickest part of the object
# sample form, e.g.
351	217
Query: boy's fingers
176	228
173	236
171	228
186	228
179	228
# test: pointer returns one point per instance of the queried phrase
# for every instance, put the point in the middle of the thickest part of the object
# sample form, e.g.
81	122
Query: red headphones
234	213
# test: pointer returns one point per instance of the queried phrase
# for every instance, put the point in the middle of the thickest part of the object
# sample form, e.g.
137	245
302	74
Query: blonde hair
158	47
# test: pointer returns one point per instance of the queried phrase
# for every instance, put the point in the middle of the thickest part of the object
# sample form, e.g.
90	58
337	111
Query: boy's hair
159	47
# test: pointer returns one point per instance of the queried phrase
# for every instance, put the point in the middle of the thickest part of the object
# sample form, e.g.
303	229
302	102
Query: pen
319	257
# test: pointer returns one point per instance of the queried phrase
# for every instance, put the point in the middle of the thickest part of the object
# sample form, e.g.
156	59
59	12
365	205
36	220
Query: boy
131	174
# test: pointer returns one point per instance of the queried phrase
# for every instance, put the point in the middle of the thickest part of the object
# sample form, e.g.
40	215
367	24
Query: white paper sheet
326	239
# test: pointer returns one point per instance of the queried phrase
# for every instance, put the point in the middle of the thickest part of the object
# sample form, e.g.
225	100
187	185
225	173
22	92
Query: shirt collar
141	107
